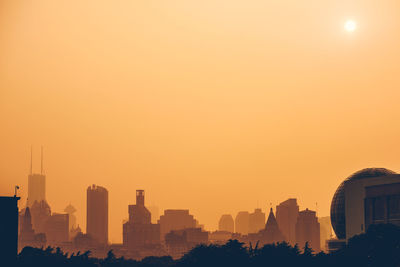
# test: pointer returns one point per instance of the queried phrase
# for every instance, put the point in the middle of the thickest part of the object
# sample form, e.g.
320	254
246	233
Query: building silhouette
286	217
308	230
256	221
270	234
41	212
220	237
175	220
36	184
369	196
242	223
97	213
155	213
57	229
27	234
226	223
178	242
70	210
325	231
138	232
9	229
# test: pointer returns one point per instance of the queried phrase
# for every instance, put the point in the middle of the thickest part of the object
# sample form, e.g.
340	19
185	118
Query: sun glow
350	26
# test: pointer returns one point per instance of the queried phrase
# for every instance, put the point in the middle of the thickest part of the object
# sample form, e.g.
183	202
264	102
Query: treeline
380	246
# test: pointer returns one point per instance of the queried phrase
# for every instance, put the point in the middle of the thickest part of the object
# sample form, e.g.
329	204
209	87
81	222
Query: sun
350	26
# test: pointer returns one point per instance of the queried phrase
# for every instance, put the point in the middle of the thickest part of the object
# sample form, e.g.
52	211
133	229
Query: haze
214	105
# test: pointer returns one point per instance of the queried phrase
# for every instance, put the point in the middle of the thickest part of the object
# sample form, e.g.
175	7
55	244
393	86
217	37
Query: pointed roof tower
271	234
271	222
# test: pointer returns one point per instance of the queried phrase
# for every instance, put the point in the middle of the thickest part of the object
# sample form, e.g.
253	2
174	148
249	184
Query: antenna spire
31	158
41	161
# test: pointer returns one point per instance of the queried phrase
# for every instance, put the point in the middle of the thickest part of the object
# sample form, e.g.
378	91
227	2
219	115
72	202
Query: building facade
9	228
242	222
256	221
97	213
139	233
308	230
175	220
286	216
226	223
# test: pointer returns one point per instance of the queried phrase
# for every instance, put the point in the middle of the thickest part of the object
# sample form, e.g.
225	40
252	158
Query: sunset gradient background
214	105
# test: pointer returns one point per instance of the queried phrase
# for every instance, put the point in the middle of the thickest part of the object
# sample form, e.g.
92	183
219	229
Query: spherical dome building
338	217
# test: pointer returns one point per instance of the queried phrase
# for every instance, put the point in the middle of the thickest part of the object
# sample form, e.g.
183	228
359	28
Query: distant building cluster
173	233
289	225
370	196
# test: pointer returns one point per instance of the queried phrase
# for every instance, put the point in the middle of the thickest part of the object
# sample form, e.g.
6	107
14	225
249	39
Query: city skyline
212	107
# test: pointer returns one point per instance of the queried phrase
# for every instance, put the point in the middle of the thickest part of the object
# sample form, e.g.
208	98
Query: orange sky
212	105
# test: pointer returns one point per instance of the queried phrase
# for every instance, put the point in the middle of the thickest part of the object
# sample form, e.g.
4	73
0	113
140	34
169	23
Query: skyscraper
242	223
308	230
226	223
57	229
36	184
97	213
325	231
256	221
286	216
139	232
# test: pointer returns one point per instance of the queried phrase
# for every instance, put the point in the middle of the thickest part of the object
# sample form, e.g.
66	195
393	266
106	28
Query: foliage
380	246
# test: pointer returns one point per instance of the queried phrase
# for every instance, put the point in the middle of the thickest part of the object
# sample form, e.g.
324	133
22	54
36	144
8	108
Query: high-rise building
36	185
57	229
286	216
226	223
242	223
308	230
9	229
139	232
325	231
70	210
41	212
175	220
97	213
256	221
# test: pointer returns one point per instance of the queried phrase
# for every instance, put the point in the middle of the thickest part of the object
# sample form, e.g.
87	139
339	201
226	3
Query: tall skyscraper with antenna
36	183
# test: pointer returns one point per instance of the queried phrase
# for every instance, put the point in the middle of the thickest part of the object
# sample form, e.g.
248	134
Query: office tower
139	232
242	223
36	185
70	210
256	221
40	212
308	230
226	223
175	220
286	216
97	213
325	231
9	229
155	214
57	229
